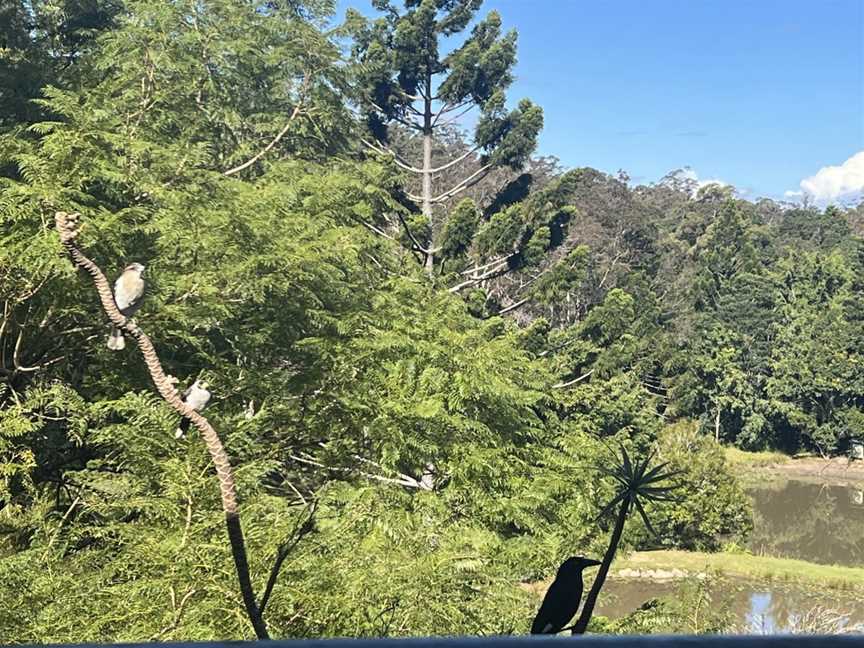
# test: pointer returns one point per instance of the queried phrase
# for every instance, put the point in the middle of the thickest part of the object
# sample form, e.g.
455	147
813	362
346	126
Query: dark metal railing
584	641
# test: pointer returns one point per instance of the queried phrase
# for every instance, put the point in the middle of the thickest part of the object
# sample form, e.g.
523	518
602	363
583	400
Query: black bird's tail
182	429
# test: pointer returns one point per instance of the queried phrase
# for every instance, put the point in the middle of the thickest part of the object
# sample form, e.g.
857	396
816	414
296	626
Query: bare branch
188	524
178	612
374	228
513	306
468	182
476	269
402	480
284	551
455	118
497	271
455	162
437	115
564	345
264	151
416	243
399	160
63	520
610	268
414	110
574	381
405	122
408	95
447	108
67	226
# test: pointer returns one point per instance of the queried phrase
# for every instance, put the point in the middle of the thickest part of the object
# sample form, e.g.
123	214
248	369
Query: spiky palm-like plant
636	484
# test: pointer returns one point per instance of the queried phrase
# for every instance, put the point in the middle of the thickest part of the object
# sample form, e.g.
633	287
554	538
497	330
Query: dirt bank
837	469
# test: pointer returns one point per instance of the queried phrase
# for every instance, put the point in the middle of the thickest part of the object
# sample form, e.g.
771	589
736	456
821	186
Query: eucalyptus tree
405	80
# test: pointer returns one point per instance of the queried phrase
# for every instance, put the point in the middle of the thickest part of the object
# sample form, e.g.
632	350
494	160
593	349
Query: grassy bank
757	468
746	566
761	459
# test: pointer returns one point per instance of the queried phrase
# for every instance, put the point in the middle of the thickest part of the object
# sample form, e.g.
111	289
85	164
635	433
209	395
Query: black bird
562	599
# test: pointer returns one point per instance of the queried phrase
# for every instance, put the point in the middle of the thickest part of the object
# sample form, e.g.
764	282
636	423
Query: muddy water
757	608
820	523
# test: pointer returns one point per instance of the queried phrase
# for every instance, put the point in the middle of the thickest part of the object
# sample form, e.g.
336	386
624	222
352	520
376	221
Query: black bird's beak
591	563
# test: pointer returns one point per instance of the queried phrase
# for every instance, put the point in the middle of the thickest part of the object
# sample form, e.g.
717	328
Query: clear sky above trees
758	94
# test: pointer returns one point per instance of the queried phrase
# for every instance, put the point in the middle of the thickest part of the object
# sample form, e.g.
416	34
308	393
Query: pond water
757	608
817	522
821	523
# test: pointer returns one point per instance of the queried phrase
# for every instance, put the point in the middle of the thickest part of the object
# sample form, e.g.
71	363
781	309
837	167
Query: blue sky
761	94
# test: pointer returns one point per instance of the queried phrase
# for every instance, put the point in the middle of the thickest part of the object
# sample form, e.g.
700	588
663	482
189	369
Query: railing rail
585	641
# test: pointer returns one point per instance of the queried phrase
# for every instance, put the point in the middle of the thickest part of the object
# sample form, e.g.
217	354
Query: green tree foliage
770	357
439	431
45	42
816	374
713	507
460	229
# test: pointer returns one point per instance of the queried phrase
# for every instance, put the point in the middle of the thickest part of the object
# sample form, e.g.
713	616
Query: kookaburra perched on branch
197	396
128	294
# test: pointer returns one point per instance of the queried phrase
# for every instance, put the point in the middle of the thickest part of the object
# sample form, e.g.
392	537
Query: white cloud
688	180
835	183
690	174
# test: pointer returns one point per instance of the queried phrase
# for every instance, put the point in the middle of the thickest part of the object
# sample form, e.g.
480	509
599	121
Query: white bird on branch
128	294
197	396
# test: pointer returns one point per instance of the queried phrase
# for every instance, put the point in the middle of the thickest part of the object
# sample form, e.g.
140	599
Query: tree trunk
717	426
591	600
427	175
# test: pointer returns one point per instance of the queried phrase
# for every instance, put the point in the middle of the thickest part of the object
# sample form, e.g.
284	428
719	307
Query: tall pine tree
405	80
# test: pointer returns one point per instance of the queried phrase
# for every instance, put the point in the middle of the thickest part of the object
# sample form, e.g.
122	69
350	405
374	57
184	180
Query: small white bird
197	395
128	293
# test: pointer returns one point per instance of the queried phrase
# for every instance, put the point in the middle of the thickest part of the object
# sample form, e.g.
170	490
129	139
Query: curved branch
561	385
264	151
284	550
301	100
468	182
67	226
444	167
408	231
399	160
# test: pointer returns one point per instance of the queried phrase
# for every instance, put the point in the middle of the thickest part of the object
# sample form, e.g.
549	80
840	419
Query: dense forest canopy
437	419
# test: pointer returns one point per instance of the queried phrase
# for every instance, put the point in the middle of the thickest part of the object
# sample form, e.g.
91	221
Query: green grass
743	565
746	459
